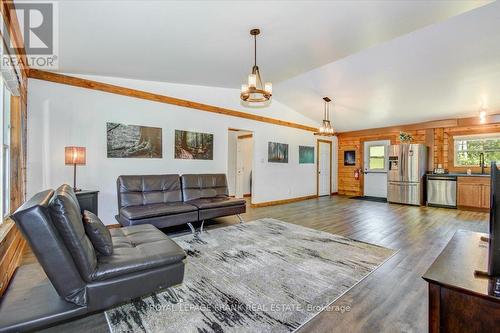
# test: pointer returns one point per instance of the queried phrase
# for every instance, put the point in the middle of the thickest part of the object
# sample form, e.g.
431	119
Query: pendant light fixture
326	128
254	91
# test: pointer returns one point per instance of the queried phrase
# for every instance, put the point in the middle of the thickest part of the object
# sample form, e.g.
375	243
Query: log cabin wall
348	185
439	139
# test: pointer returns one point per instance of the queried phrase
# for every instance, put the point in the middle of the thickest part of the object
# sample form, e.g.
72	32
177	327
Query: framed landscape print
306	155
349	157
133	141
277	152
194	145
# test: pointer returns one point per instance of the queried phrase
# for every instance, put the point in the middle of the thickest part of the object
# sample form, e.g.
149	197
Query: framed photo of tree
133	141
194	145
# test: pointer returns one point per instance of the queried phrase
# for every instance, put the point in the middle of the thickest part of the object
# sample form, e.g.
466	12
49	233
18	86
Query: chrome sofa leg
201	227
240	218
191	227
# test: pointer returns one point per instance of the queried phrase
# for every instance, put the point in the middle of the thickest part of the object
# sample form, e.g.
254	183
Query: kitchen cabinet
473	192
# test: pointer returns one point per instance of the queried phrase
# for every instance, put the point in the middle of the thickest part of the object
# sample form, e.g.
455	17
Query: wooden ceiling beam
113	89
445	123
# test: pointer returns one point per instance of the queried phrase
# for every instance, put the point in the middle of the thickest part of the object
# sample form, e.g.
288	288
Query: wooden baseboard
335	193
247	195
282	202
113	226
473	209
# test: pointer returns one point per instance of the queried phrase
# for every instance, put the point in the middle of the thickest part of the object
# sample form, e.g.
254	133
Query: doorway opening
240	163
324	167
375	165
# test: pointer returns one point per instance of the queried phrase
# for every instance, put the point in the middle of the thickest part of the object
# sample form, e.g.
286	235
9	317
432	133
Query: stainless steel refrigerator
405	179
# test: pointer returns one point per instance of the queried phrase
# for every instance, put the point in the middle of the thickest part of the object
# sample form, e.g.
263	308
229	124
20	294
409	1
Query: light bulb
252	80
268	87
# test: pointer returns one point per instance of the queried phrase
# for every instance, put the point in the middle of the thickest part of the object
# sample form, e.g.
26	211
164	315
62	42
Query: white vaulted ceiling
384	62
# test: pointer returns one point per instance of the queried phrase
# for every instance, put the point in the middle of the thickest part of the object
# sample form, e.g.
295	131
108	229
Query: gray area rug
260	276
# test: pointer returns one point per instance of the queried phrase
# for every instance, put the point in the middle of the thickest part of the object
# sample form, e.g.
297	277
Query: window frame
458	141
6	151
383	157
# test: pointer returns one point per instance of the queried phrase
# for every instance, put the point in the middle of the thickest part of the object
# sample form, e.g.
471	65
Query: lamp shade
74	155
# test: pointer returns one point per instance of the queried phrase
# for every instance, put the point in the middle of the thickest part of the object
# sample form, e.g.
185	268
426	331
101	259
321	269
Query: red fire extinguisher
356	174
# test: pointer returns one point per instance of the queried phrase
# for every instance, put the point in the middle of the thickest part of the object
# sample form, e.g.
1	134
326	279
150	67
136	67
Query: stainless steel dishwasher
442	191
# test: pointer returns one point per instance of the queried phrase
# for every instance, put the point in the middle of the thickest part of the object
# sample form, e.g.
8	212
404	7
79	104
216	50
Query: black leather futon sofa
169	200
143	260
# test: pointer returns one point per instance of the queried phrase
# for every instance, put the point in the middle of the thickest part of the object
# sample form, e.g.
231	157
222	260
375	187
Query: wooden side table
459	300
88	200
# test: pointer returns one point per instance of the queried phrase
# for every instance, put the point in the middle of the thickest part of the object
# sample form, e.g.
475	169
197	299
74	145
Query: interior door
324	167
240	170
375	164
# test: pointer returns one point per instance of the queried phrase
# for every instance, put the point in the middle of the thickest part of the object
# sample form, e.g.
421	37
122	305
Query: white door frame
317	165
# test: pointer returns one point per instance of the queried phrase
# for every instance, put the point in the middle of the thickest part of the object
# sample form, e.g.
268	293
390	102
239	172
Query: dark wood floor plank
394	297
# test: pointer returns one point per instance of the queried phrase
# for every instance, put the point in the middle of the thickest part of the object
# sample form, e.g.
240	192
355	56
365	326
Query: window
377	157
5	156
6	153
469	148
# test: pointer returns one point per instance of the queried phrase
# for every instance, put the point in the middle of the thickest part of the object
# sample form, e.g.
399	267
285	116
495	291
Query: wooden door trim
362	158
317	165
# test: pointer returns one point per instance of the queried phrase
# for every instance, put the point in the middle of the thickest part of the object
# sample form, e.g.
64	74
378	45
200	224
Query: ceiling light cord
255	50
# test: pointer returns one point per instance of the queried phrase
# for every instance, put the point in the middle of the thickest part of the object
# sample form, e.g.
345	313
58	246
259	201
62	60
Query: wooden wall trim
245	136
114	89
282	202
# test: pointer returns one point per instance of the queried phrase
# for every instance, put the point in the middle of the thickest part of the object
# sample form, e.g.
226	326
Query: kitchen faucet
481	162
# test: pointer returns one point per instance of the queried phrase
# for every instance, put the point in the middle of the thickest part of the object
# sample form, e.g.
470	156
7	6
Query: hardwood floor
391	299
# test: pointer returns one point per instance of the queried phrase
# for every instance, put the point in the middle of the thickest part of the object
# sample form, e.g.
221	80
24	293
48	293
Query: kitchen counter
459	174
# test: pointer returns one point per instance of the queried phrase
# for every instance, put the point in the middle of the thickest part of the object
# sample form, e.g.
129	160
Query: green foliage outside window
377	158
467	151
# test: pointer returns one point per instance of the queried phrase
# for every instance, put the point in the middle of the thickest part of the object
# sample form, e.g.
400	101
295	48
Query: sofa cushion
207	203
153	210
67	219
203	186
98	233
148	189
138	248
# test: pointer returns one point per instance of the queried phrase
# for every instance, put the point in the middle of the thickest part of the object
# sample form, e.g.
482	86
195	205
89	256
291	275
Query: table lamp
74	156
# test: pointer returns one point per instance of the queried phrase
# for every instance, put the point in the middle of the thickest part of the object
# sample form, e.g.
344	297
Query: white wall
60	115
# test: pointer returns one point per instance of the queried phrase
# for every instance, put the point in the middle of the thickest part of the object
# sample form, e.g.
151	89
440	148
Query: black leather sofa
153	199
168	200
144	259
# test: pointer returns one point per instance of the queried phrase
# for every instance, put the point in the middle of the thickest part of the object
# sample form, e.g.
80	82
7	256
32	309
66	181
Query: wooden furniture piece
460	300
473	192
88	200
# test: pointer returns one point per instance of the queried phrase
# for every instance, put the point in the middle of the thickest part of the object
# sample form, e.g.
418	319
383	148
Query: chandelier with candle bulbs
254	91
326	128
